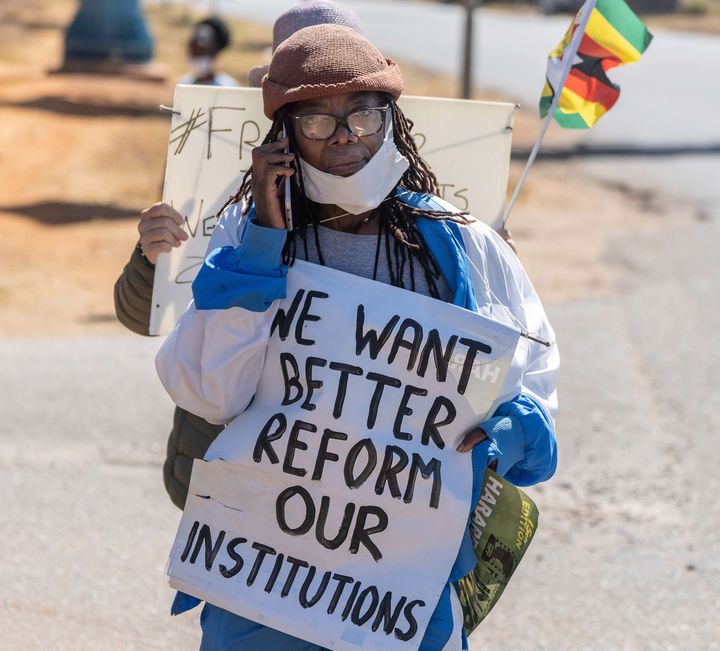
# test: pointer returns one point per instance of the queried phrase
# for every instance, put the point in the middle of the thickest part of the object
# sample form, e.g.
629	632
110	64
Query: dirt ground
81	155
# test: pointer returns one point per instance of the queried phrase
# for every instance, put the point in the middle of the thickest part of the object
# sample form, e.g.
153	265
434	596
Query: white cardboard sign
215	129
333	508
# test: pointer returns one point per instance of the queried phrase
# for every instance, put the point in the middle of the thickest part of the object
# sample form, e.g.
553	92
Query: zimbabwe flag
613	36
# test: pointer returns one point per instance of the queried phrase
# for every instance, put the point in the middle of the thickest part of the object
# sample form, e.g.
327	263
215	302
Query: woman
363	202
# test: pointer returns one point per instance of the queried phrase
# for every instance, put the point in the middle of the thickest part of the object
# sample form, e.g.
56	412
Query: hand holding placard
160	229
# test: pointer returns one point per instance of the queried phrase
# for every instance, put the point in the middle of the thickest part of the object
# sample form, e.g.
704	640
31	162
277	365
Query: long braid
396	219
418	177
400	223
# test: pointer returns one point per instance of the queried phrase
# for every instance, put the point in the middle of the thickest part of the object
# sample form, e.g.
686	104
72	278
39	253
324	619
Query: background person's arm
133	293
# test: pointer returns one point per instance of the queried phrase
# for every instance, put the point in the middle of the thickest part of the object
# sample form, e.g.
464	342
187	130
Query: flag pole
569	56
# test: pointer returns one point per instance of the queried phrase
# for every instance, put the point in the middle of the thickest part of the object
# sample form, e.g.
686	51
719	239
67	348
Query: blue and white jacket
236	295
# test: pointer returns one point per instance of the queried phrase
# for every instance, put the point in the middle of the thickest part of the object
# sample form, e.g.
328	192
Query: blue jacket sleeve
249	275
522	441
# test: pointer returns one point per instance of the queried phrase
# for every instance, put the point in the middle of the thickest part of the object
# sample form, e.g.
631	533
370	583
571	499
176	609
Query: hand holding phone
270	176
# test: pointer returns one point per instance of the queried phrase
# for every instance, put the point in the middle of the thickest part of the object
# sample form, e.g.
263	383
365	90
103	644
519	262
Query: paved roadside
86	523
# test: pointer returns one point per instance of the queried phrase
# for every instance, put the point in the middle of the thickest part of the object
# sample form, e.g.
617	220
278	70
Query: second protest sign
214	131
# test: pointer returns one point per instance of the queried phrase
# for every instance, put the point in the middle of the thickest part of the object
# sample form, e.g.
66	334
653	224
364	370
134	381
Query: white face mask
365	189
201	66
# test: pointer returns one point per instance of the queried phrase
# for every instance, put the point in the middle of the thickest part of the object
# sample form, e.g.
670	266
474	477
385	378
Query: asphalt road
627	554
86	526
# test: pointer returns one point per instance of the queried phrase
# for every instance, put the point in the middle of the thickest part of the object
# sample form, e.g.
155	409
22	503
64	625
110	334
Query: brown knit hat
325	60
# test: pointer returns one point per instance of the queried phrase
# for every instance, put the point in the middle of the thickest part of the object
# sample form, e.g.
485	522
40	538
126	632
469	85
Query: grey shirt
355	254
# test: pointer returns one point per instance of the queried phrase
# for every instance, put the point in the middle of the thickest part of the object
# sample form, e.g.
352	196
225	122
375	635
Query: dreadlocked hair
403	242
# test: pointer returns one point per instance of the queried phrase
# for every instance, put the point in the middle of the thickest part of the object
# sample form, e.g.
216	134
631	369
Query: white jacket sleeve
211	362
521	431
504	291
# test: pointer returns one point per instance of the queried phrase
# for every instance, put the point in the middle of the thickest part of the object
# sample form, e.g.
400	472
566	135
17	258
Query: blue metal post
108	32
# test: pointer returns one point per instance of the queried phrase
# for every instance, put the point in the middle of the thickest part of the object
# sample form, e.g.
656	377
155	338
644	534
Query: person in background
191	435
307	14
209	37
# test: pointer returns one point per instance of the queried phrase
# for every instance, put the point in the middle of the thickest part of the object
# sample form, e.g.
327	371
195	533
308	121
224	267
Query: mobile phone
288	198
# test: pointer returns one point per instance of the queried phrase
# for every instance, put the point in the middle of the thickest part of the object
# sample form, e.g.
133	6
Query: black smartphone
288	198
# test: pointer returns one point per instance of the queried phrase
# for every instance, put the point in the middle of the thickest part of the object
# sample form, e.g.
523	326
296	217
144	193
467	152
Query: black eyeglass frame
344	121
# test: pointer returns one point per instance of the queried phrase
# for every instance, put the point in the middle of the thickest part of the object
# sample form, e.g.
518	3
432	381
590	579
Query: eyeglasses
321	126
